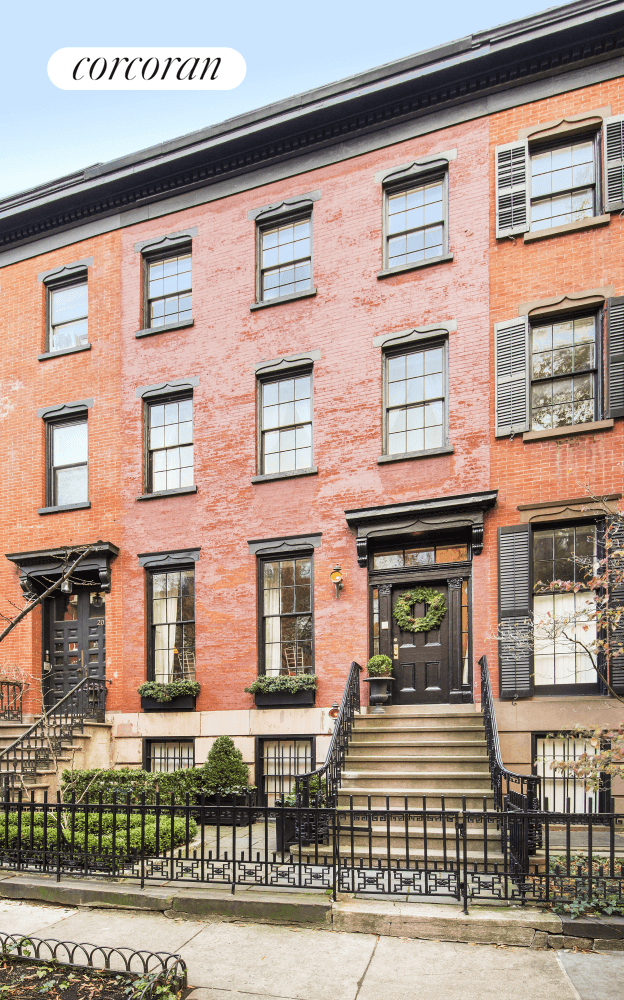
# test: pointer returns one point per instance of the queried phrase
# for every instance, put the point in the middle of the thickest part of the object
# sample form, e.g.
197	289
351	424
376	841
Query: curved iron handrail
527	796
46	736
334	760
162	967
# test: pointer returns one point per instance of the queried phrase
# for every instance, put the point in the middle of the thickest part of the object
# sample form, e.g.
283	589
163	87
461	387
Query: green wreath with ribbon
402	610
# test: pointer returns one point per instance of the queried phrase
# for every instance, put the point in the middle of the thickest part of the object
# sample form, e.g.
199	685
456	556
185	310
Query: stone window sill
308	294
404	456
405	268
66	350
168	493
68	506
557	432
153	330
285	475
570	227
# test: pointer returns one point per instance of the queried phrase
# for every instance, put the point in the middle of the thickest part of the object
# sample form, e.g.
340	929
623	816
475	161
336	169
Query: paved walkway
246	961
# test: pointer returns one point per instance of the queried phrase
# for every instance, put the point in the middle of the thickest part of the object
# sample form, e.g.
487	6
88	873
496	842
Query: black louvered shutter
616	601
615	356
514	605
614	163
511	354
512	189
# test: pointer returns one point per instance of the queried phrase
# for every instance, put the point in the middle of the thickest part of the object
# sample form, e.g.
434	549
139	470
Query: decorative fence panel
415	852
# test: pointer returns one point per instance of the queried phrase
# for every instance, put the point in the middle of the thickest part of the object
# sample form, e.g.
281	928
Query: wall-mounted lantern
336	578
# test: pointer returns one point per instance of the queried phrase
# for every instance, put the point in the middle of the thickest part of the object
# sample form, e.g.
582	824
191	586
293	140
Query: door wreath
402	610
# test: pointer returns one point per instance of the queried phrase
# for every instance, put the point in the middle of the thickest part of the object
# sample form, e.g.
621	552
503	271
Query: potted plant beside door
380	678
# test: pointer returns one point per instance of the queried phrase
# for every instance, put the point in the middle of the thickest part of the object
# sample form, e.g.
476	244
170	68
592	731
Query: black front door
74	642
420	660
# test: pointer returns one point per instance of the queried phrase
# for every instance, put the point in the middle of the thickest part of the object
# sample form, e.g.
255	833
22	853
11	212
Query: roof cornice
469	69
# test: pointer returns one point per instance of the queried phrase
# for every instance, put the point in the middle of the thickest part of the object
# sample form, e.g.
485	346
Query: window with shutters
564	183
416	400
564	553
614	163
416	222
546	185
563	372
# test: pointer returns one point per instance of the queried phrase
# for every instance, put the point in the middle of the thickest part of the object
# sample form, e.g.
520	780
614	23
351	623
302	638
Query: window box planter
223	812
286	699
185	703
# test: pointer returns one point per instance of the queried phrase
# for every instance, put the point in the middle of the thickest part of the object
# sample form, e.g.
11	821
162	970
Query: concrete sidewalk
246	961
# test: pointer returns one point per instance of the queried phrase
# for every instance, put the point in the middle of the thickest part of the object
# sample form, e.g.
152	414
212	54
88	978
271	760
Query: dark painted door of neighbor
420	660
74	642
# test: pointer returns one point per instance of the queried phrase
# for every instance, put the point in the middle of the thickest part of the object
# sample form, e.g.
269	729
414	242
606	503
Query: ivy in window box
282	691
176	696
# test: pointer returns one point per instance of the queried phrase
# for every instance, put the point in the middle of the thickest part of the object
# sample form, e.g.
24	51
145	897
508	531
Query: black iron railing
511	790
378	848
39	746
321	786
10	701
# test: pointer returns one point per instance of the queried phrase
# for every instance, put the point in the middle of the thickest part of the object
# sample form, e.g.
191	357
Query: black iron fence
10	701
37	748
417	851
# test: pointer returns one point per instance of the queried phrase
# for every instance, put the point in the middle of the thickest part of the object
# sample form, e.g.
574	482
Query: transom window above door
399	558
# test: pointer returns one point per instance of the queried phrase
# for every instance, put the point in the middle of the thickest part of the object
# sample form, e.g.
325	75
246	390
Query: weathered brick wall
563	467
25	385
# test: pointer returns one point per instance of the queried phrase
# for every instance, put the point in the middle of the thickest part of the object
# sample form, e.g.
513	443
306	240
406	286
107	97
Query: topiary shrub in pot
380	678
226	775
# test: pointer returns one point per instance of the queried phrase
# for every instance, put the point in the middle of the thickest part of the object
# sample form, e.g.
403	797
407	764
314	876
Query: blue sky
288	47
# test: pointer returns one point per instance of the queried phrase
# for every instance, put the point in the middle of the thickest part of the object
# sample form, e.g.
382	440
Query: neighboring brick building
332	363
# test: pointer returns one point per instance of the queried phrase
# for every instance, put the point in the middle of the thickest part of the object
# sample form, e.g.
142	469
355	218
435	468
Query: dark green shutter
616	601
614	163
511	388
514	602
512	189
615	357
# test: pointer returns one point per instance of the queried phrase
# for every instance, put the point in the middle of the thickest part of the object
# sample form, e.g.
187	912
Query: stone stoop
91	748
418	756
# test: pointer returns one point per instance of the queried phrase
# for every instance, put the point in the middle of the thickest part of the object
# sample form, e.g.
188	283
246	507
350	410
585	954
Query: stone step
437	733
418	748
419	710
423	721
414	797
416	840
418	765
437	859
406	781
